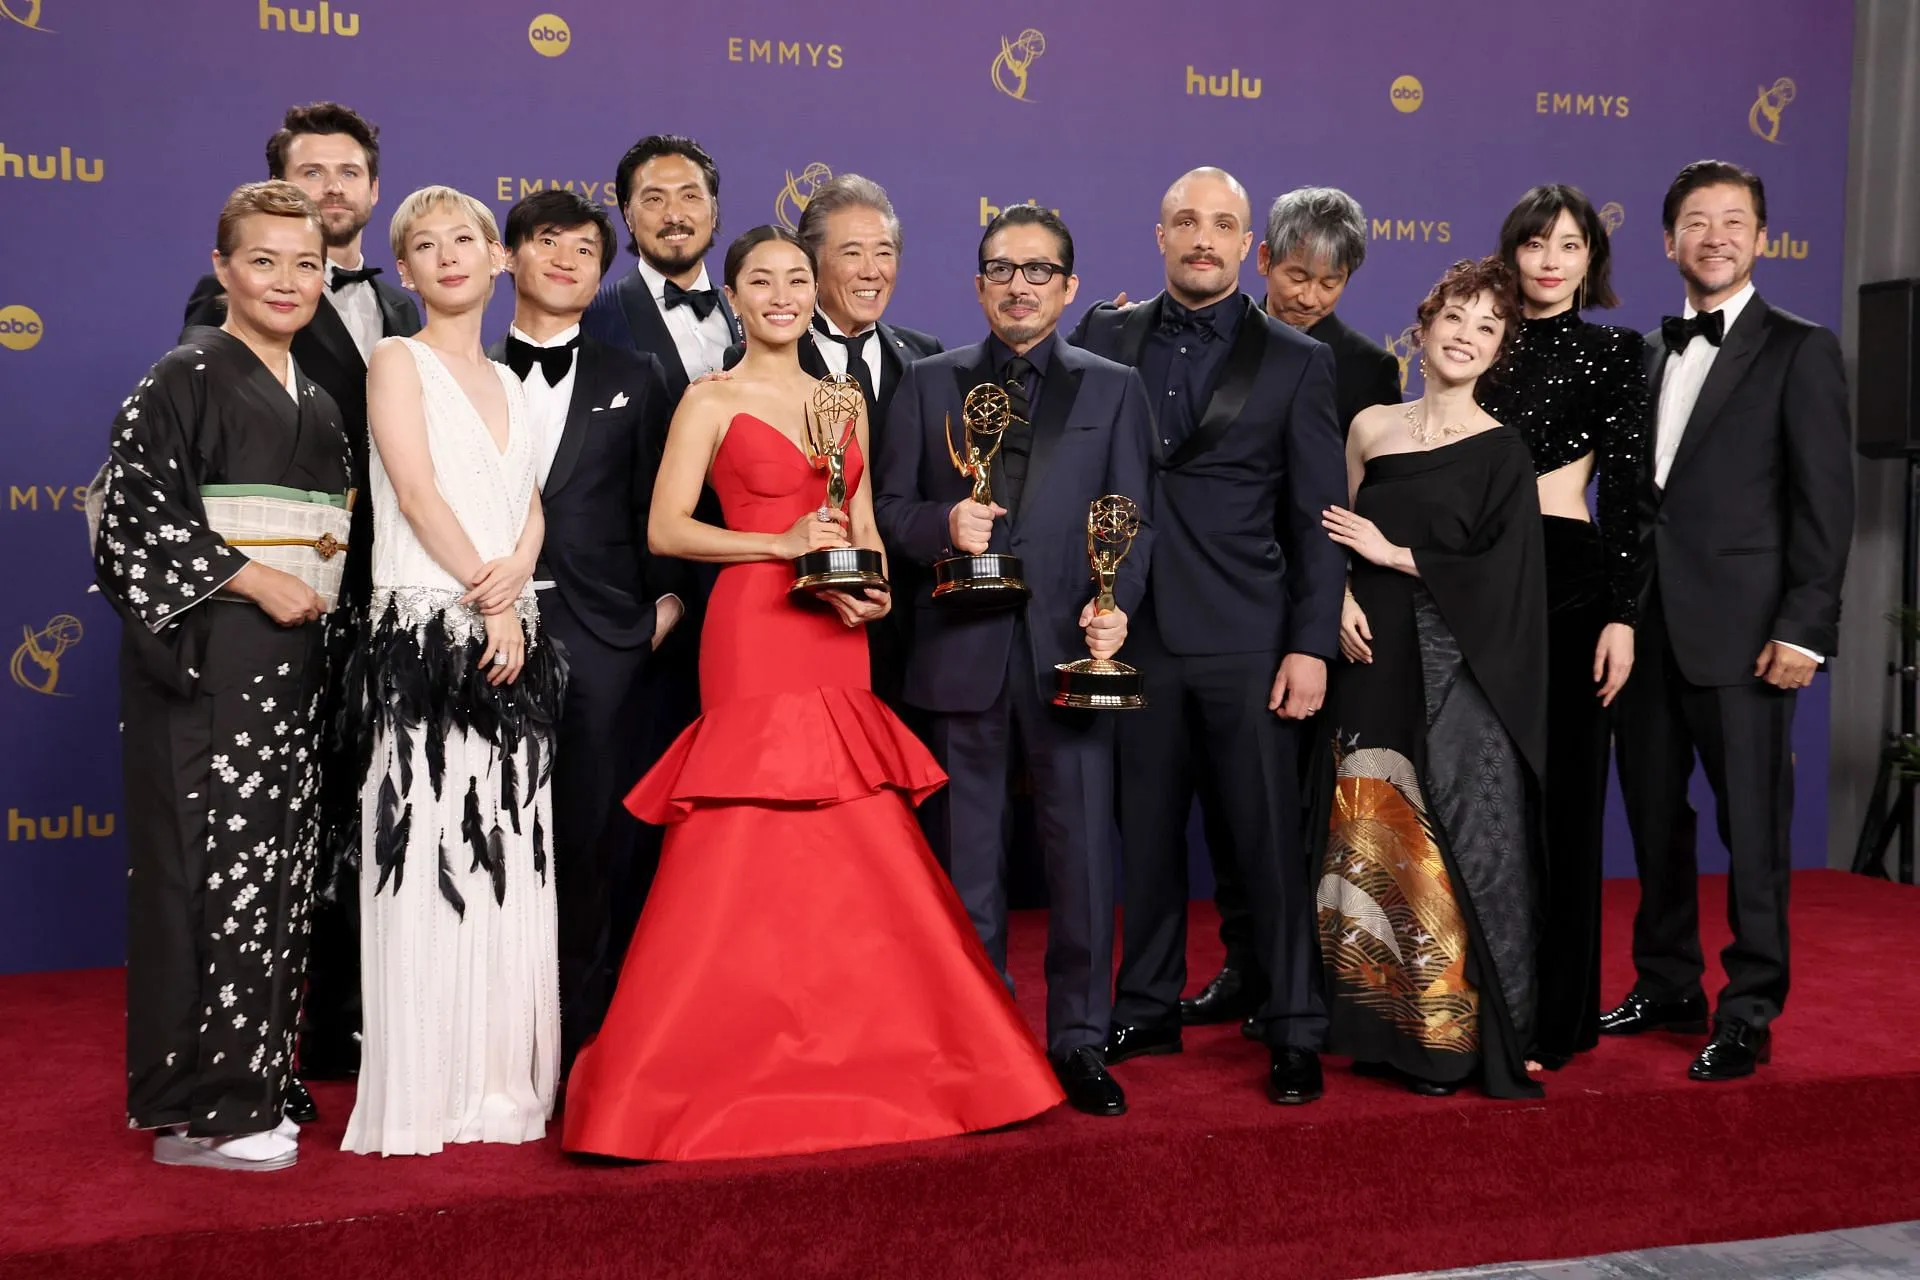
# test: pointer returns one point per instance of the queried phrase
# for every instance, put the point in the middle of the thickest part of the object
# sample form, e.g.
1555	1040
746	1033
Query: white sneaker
249	1153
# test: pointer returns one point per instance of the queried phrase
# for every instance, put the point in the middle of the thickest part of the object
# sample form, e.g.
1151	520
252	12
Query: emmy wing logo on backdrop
1406	93
1763	117
24	12
20	327
1612	216
36	663
549	35
792	200
1010	66
1401	346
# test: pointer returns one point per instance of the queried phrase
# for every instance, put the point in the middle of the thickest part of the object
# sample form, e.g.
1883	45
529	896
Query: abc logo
549	35
20	327
1407	94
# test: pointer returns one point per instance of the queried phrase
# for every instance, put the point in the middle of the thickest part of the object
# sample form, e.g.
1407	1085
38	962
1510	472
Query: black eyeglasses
999	270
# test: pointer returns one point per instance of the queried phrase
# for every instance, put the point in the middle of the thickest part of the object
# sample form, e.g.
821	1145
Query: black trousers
596	763
1567	1020
330	1011
1742	735
1070	757
1207	717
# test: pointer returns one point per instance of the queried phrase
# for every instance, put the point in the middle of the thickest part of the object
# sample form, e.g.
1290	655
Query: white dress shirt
702	344
547	408
359	308
834	355
1680	384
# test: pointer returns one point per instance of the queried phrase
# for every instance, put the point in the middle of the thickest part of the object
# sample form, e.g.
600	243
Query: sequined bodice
1574	388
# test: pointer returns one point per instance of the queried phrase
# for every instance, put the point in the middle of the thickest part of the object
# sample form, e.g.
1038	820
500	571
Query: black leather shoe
1089	1088
1637	1014
1228	998
298	1104
1133	1042
1249	1030
1736	1049
1295	1076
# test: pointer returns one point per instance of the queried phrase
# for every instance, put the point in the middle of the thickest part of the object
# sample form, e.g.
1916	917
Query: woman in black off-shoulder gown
1577	394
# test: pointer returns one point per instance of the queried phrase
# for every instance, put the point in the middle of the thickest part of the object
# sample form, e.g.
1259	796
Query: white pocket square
619	399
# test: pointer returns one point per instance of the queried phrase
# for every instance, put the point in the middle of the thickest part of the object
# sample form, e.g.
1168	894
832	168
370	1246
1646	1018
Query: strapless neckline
798	451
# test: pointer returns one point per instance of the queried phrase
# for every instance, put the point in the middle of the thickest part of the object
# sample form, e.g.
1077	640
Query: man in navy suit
1081	429
602	412
1241	615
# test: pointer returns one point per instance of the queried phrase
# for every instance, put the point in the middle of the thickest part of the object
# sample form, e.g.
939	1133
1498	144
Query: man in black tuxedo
850	226
602	411
332	154
1081	429
1749	512
669	193
1241	616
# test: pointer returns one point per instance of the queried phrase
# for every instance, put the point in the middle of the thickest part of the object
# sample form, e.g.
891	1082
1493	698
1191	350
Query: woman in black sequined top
1577	393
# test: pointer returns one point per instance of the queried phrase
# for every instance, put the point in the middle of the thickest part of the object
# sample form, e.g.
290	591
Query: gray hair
848	191
1324	222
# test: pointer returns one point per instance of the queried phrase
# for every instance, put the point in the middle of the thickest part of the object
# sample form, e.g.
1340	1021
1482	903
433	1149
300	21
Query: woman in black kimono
1577	394
1426	898
221	672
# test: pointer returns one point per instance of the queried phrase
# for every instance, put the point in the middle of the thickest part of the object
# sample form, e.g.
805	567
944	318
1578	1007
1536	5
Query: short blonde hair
275	199
426	198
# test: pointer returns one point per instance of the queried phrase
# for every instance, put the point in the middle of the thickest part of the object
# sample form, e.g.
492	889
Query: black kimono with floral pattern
220	725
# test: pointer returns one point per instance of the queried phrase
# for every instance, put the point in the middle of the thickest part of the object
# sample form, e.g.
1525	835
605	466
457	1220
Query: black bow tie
1677	333
703	301
553	361
1175	319
343	277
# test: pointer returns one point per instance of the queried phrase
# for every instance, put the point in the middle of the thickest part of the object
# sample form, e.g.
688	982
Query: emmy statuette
1100	684
830	419
992	579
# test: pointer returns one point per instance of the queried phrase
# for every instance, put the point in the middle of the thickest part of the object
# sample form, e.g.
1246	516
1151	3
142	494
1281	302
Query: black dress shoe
1736	1049
298	1104
1637	1014
1412	1083
1228	998
1294	1076
1089	1088
1133	1042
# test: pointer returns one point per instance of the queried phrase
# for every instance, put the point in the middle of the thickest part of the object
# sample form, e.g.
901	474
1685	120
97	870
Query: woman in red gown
803	977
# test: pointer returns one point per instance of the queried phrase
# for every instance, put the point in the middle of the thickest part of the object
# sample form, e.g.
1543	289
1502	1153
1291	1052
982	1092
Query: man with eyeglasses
1080	429
1242	614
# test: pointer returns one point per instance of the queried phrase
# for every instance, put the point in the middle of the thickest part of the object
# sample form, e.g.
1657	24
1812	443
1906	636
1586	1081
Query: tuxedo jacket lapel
1737	351
397	315
329	331
1228	399
811	361
649	327
1134	330
587	392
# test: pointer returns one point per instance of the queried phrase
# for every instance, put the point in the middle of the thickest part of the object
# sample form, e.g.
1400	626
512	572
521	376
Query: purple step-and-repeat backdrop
123	126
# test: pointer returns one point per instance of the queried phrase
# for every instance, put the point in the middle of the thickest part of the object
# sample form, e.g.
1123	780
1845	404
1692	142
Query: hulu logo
307	22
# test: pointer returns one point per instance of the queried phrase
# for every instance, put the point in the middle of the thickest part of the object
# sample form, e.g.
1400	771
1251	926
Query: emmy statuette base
837	569
990	581
1098	684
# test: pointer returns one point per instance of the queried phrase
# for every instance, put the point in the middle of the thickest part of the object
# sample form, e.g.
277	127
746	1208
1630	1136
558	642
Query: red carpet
1204	1178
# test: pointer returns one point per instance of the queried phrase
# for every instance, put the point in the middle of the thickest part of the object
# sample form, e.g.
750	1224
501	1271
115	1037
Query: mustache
1195	259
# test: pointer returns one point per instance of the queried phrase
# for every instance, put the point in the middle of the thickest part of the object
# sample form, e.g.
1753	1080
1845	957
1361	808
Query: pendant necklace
1425	435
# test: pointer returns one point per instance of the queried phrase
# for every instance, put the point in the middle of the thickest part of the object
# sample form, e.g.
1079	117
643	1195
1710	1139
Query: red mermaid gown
804	977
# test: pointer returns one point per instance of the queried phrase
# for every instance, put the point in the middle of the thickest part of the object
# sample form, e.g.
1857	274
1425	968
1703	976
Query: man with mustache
1241	616
1749	512
1079	429
333	154
603	412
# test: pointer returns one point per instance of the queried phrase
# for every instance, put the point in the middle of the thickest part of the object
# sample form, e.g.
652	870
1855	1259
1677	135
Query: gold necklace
1423	434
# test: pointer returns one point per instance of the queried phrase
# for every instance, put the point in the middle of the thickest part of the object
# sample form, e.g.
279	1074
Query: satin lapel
1229	399
587	392
892	365
1656	368
811	361
330	332
649	328
393	320
1737	353
1061	389
1134	330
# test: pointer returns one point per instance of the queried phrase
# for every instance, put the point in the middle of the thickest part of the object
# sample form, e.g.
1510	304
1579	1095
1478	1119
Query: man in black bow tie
669	193
1749	512
602	415
333	154
1241	617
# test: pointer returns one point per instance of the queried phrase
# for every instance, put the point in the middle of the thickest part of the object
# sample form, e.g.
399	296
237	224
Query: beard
669	260
342	224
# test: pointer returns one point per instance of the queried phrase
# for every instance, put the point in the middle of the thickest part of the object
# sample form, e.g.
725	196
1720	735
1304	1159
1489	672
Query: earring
1423	366
1581	305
